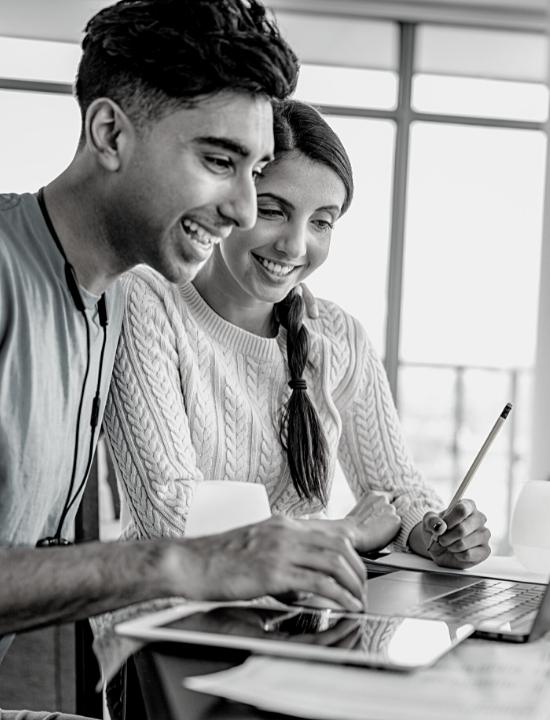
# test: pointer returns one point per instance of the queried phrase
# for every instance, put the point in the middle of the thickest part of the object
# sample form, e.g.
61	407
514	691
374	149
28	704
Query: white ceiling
65	19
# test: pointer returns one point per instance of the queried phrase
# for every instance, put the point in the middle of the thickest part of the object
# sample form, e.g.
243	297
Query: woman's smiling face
299	200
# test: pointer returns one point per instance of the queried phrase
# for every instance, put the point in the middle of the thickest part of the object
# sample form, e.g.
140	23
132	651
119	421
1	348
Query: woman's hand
370	525
460	538
373	522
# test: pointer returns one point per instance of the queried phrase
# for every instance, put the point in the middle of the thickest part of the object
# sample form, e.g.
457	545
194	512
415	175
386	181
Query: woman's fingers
433	524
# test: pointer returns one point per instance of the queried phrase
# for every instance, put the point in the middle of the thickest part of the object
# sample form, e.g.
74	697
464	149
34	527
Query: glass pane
58	61
355	273
426	402
351	87
473	235
481	53
344	41
477	97
477	72
32	152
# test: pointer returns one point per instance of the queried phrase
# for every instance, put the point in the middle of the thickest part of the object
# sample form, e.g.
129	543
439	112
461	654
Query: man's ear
109	133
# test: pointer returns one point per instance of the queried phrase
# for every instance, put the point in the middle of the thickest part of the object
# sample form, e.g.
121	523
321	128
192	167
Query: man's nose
241	206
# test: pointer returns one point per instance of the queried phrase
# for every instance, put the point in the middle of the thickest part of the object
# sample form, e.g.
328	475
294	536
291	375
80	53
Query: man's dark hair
152	56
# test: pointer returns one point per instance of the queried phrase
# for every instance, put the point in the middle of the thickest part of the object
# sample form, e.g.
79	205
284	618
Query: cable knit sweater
194	397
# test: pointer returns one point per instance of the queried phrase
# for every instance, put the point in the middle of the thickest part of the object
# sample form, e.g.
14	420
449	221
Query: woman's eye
273	213
323	225
257	174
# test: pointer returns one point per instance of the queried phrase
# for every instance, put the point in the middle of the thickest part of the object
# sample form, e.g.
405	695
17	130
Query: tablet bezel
150	628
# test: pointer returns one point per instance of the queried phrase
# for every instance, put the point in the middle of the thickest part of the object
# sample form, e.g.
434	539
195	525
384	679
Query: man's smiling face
189	181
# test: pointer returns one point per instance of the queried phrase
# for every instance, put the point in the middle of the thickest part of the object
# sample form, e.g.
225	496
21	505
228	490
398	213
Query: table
481	679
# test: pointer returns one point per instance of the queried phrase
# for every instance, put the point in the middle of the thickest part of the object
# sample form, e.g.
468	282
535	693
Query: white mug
220	505
530	527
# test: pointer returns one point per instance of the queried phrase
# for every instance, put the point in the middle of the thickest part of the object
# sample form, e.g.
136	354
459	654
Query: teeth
199	233
274	267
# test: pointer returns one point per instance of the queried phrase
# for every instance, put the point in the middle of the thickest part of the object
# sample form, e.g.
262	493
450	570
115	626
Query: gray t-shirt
42	365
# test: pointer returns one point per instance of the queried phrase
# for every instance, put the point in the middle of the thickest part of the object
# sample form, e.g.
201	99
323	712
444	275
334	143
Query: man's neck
77	221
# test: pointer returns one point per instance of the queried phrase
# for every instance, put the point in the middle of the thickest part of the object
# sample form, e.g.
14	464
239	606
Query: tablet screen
400	642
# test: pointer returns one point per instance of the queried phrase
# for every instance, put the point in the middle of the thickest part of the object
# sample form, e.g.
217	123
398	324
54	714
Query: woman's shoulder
337	325
152	300
144	280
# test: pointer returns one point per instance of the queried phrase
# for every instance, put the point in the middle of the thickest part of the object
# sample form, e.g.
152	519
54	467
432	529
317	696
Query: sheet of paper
496	566
479	680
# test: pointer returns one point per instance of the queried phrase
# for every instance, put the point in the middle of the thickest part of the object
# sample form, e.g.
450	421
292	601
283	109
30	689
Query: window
450	293
439	254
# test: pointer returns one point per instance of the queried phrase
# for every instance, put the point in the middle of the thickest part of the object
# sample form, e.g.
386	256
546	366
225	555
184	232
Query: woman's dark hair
153	56
300	128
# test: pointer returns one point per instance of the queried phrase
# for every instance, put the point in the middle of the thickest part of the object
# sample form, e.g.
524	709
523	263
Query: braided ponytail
301	433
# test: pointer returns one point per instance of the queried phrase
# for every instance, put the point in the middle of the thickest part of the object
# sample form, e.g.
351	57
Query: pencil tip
504	413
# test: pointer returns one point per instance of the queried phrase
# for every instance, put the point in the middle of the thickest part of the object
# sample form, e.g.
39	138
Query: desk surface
161	668
480	680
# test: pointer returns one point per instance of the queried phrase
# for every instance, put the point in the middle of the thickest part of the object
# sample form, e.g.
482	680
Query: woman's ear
109	132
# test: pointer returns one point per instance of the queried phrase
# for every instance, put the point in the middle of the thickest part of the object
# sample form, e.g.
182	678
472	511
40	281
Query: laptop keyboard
486	600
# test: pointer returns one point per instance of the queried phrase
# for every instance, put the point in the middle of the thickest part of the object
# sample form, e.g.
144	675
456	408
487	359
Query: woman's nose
293	243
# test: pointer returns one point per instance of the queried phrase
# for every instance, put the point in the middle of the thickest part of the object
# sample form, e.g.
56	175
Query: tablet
399	643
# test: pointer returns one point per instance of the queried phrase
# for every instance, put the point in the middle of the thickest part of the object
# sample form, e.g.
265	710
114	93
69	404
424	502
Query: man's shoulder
19	224
8	201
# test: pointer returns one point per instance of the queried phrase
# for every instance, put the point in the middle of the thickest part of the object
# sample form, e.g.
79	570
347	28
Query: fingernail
437	525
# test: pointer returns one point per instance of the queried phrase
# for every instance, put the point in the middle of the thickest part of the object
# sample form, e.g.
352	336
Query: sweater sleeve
145	418
372	449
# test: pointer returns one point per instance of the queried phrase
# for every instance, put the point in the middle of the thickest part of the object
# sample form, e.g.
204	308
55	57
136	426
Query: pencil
476	463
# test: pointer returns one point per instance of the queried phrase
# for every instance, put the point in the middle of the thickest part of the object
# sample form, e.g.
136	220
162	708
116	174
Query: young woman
223	378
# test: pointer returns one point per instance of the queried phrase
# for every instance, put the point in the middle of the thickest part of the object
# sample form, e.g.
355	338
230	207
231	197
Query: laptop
498	609
396	642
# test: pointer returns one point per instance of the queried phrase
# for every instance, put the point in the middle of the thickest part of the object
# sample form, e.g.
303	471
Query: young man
176	124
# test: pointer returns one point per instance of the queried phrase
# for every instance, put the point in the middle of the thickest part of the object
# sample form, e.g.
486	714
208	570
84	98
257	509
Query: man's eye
257	174
218	163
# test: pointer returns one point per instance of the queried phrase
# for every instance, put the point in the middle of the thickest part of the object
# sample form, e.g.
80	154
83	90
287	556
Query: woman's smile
275	269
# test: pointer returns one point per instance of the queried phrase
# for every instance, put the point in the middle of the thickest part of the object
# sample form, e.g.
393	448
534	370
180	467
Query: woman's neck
226	299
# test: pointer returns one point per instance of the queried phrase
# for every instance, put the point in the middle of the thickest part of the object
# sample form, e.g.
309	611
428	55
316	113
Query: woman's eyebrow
276	197
333	209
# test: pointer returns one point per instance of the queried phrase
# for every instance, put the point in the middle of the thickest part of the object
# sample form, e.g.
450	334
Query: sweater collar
227	334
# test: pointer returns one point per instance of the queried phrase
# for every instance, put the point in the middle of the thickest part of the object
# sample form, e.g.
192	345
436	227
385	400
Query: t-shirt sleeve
372	449
145	418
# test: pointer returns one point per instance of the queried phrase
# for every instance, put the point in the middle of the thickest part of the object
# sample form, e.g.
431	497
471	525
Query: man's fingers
327	587
339	544
335	566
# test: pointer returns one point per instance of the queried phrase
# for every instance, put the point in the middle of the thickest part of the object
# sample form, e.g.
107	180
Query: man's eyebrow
230	145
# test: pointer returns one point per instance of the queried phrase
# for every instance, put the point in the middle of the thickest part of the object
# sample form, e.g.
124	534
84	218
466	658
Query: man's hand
268	558
460	538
